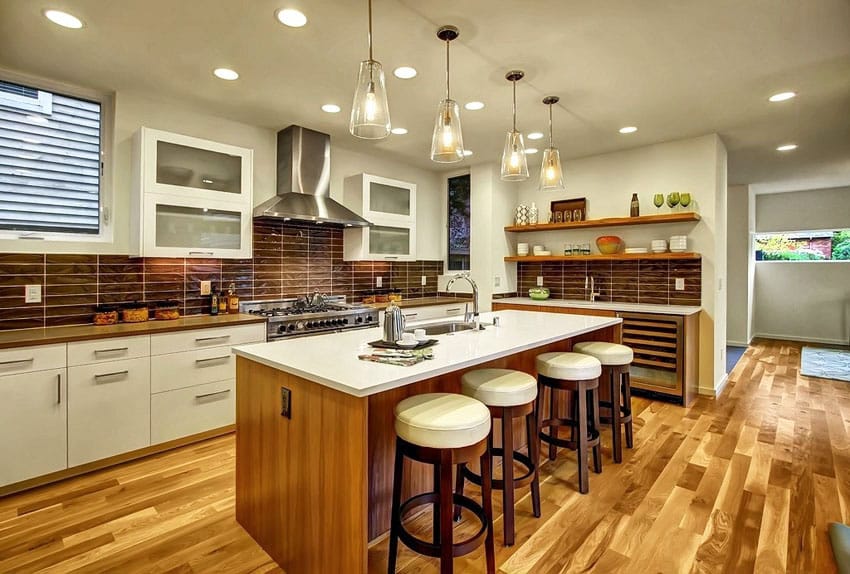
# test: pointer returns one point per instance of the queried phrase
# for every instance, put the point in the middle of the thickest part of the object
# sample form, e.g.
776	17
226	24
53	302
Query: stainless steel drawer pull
409	315
200	253
205	395
205	339
453	310
18	362
115	350
115	374
390	257
222	358
59	388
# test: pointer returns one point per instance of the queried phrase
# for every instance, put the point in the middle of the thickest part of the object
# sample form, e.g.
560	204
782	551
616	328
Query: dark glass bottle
634	210
214	302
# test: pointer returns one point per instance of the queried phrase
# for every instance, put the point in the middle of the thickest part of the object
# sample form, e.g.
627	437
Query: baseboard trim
800	339
714	392
730	343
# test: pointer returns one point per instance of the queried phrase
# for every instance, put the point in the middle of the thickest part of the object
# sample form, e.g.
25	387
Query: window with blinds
50	164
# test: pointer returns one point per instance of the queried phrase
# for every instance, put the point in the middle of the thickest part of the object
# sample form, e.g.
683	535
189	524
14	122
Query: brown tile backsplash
633	281
288	260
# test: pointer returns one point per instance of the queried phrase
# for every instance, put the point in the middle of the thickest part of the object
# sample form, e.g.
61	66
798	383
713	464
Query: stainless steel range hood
303	182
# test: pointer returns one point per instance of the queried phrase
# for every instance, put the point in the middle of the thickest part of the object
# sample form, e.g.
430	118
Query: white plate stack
679	243
635	250
659	245
522	249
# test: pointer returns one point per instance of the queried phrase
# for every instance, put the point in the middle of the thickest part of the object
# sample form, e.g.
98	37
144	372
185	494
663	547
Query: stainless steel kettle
393	323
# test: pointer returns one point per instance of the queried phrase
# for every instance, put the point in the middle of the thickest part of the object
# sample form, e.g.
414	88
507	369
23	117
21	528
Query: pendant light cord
513	82
551	145
370	30
448	97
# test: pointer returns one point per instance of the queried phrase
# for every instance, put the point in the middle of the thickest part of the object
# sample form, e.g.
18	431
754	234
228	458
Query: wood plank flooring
746	483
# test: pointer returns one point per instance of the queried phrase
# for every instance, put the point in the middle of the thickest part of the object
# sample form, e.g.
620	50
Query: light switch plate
680	283
424	280
379	281
540	280
32	294
206	287
497	281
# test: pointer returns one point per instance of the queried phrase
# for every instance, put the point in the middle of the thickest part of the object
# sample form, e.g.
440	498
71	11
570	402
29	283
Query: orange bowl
608	244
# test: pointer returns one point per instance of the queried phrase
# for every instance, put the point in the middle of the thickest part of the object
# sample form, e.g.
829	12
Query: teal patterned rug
826	363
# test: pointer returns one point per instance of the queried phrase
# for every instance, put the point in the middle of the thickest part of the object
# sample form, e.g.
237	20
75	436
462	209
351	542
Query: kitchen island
315	434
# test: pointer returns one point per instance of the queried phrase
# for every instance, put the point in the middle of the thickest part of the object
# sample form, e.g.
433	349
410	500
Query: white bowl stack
522	249
659	245
679	243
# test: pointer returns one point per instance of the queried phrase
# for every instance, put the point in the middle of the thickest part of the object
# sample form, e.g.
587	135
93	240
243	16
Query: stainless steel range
312	315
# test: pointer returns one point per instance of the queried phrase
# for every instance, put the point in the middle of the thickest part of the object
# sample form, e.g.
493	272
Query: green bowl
538	293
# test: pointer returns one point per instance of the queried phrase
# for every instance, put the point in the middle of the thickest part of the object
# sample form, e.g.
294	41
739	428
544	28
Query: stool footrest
519	481
429	548
592	437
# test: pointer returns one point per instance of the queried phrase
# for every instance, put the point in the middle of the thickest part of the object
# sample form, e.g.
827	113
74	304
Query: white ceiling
674	68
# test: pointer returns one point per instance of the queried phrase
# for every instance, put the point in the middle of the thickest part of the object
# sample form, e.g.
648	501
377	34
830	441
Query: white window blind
50	164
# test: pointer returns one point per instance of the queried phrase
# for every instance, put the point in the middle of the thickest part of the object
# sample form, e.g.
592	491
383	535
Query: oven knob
300	326
369	319
344	321
291	327
359	320
321	323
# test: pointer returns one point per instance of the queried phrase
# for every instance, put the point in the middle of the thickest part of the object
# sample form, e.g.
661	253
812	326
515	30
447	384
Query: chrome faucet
473	318
593	294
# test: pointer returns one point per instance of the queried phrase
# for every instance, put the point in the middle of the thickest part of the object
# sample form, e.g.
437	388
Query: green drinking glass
685	199
658	200
673	199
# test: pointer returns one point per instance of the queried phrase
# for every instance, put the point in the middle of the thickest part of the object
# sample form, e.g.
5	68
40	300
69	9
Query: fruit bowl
608	244
538	293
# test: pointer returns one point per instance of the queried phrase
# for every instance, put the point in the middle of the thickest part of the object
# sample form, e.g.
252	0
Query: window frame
449	268
105	186
758	234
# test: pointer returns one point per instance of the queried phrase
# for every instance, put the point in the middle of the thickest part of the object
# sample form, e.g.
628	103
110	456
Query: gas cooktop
300	316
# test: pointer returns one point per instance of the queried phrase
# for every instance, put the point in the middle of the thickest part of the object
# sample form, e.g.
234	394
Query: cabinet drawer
102	350
28	359
108	409
165	343
195	409
179	370
433	311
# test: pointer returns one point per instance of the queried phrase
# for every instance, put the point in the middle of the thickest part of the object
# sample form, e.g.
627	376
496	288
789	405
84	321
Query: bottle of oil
222	302
232	299
214	302
634	210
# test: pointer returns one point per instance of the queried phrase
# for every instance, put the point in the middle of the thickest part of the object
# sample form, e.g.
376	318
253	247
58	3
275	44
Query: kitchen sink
443	328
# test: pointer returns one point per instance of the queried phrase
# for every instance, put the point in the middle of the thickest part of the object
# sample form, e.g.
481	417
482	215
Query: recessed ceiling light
399	131
292	18
787	147
535	135
628	130
472	106
467	152
531	150
404	72
331	108
782	96
63	19
226	74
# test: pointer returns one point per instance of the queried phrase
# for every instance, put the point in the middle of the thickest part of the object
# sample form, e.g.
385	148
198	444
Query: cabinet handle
409	315
454	310
17	362
390	257
115	350
58	388
205	339
212	359
115	374
201	253
205	395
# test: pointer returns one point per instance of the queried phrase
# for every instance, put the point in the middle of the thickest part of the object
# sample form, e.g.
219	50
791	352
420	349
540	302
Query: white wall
696	165
738	255
133	111
805	300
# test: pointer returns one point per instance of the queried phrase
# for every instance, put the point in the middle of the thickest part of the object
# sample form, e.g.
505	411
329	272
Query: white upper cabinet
193	197
390	206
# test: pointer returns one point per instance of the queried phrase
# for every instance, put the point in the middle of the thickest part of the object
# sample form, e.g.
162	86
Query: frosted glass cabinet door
389	199
389	241
186	166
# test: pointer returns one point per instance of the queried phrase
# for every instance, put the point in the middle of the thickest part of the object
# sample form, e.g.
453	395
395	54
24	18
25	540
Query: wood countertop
50	335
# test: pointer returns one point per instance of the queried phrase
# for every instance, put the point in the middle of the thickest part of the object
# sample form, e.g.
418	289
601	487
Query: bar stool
578	375
442	429
509	395
615	361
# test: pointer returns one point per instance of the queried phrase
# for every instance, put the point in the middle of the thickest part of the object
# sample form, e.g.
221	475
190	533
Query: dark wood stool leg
581	451
593	411
508	474
553	412
459	482
395	522
435	530
487	502
534	455
627	407
445	513
616	431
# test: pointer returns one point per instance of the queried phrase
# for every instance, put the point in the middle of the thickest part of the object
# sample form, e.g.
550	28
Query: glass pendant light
370	114
447	142
551	176
514	164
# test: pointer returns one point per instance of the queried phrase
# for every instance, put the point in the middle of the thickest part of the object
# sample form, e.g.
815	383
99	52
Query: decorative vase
532	214
521	214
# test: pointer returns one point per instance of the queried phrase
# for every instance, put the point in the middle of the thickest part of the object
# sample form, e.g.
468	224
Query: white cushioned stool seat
500	387
568	366
442	420
610	354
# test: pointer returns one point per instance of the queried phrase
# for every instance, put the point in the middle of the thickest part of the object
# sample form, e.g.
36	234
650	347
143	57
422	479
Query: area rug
826	363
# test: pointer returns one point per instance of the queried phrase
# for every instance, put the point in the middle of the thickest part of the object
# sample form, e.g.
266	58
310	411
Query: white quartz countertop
636	307
331	359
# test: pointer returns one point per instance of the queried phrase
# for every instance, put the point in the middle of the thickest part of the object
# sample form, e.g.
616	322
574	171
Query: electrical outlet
497	281
680	283
379	281
285	402
32	294
424	280
540	280
206	287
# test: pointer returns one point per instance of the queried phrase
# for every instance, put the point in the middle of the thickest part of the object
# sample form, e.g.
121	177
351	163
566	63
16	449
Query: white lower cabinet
33	411
191	410
108	410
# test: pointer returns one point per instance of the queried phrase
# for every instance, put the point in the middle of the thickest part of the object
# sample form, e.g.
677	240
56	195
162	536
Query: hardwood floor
746	483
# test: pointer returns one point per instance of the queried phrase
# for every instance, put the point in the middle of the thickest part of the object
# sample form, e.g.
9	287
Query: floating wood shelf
617	257
683	217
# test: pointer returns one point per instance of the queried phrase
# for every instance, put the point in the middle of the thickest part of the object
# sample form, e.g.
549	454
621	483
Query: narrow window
458	223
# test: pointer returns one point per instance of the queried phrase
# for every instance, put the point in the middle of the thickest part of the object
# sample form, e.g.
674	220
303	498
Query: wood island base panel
314	463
